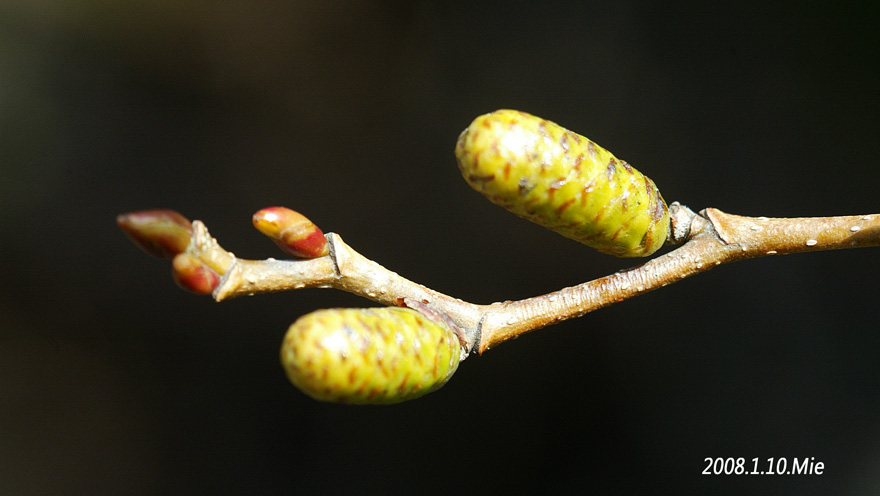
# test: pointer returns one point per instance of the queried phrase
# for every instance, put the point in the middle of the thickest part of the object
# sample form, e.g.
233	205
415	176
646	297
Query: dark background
113	381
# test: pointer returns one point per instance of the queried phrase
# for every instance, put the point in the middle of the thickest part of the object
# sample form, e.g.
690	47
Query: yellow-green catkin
369	355
561	180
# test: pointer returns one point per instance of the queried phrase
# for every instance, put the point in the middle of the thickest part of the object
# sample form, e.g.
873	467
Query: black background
113	381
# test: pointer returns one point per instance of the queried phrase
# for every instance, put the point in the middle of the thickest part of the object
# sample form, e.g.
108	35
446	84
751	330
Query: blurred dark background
114	381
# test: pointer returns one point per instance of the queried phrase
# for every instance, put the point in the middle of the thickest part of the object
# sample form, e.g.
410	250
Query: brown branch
715	238
343	268
709	239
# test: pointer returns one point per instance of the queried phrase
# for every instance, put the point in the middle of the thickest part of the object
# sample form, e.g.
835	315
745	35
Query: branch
708	239
537	170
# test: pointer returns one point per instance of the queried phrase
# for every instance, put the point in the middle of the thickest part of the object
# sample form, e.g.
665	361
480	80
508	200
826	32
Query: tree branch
707	239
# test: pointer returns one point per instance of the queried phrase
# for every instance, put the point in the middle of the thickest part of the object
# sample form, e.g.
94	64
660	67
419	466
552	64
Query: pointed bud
161	233
292	232
192	275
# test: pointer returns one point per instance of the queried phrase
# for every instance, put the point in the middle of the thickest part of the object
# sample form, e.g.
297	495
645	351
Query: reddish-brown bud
161	233
192	275
292	232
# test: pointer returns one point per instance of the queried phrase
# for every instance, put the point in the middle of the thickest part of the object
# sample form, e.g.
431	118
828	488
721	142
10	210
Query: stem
345	269
713	238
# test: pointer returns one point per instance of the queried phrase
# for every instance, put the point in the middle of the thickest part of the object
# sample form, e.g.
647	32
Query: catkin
561	180
369	355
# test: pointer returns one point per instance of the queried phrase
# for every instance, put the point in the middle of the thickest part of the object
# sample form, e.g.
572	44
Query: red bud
161	233
192	275
292	232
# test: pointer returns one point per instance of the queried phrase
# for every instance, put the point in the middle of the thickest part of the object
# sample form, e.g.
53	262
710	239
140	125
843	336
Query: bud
160	233
369	355
192	275
563	181
292	232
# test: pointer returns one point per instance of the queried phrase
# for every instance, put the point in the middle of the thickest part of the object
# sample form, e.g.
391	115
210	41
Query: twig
708	239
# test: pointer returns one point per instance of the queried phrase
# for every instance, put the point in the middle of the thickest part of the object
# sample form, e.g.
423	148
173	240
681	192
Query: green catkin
561	180
369	355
